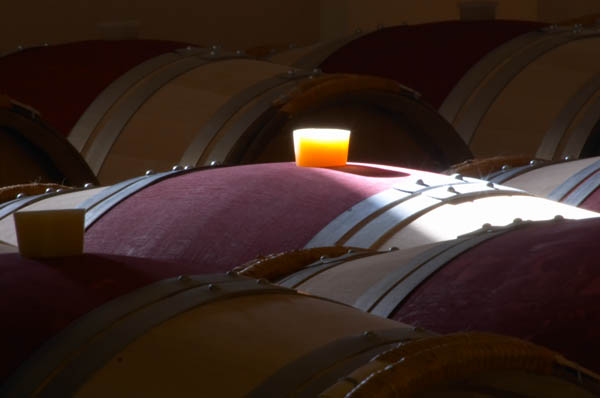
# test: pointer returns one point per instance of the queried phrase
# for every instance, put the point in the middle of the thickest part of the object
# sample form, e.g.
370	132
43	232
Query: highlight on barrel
518	87
221	217
537	281
167	103
102	325
574	182
31	151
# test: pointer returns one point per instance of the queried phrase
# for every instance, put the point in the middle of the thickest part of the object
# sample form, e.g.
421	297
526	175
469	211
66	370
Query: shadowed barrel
31	151
115	325
517	88
534	280
160	103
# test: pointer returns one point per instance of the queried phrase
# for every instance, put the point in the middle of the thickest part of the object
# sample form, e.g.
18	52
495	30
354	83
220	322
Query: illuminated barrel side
573	182
166	104
30	151
101	325
538	281
222	217
517	88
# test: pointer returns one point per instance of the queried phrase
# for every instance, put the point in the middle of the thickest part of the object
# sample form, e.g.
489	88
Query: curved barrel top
540	283
75	73
430	58
224	217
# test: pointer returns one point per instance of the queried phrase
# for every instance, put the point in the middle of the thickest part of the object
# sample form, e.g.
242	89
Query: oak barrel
30	151
516	88
223	216
538	281
574	182
100	325
166	105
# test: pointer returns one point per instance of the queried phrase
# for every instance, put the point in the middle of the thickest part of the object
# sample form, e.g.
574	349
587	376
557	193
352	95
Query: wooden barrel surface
105	294
518	88
411	54
30	151
537	281
222	217
119	326
62	104
574	182
195	106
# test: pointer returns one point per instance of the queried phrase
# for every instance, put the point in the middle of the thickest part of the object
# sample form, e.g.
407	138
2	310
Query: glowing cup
321	147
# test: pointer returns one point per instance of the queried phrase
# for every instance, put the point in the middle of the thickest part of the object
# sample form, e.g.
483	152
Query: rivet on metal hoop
214	163
21	195
392	249
505	167
421	182
88	185
183	278
177	167
451	190
486	226
533	162
49	190
262	281
187	167
368	333
212	287
149	172
457	176
558	217
517	220
567	157
490	185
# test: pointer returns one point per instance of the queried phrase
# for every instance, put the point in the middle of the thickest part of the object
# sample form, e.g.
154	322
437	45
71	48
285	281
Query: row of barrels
231	281
414	96
194	106
230	336
173	292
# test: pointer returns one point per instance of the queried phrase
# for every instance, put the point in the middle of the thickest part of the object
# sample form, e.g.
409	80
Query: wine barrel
574	182
196	106
534	280
119	326
221	217
30	151
517	88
